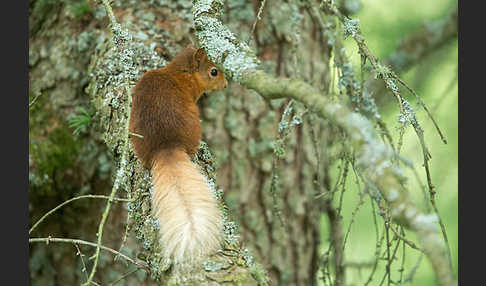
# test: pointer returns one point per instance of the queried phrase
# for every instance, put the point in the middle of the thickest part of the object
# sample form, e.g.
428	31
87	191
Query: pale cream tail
188	213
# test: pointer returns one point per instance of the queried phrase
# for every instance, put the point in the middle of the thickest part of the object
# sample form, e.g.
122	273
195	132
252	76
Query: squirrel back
165	113
164	109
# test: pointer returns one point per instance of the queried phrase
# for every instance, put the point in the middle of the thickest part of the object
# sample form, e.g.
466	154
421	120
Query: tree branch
416	47
423	42
373	157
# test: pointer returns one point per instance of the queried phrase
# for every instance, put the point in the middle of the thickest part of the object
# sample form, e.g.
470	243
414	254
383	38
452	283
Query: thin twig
35	99
135	134
388	244
47	240
71	200
402	267
353	218
336	242
258	17
125	235
387	218
343	186
123	276
447	91
85	270
410	275
390	261
99	234
421	102
379	243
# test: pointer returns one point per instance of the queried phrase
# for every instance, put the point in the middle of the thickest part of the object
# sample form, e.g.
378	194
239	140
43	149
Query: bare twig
387	218
402	267
99	234
47	240
379	243
411	274
124	276
390	260
71	200
135	135
35	99
353	217
336	242
82	260
258	17
424	107
417	46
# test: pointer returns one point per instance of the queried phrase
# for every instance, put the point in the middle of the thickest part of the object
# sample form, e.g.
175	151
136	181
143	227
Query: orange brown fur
164	109
165	113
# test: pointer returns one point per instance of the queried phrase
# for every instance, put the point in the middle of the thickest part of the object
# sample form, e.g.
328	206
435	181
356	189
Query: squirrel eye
214	72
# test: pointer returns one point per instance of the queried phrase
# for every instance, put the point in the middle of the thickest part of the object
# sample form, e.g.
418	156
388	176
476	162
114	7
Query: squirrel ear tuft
199	56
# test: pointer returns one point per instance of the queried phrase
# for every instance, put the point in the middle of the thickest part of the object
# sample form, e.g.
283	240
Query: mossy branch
374	158
124	157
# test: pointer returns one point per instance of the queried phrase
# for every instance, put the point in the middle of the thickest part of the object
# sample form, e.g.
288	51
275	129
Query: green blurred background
434	78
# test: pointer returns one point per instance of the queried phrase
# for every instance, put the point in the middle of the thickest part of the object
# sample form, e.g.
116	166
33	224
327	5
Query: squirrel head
194	62
206	73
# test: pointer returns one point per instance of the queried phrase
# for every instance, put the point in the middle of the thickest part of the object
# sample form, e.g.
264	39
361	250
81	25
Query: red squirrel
165	113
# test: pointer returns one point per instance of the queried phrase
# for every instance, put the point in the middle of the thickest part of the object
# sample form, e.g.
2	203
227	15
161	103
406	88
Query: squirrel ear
199	56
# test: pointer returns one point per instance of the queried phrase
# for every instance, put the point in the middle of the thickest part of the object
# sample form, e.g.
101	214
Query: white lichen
202	6
218	41
398	210
425	222
392	195
351	27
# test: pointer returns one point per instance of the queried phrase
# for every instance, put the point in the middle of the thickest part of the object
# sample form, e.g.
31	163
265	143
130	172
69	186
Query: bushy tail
188	214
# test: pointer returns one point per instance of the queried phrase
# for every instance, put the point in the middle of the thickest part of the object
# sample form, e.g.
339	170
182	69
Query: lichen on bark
113	74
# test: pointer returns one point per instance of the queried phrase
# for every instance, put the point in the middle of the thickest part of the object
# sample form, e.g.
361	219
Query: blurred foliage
384	25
